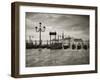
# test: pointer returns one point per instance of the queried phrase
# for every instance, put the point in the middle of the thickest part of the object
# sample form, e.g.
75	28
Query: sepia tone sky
71	25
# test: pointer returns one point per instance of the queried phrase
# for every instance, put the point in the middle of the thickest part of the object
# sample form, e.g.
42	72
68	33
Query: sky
76	26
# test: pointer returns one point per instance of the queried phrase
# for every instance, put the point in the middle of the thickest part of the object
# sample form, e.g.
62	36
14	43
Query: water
48	57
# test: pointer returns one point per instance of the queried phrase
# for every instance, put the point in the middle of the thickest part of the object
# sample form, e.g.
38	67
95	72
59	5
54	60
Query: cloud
74	25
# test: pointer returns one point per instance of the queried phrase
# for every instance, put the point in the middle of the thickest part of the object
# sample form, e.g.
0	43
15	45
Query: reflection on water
48	57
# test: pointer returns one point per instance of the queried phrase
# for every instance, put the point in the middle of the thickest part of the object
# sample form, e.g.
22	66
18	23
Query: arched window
73	46
79	46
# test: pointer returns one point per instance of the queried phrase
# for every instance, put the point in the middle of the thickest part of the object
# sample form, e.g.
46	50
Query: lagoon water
48	57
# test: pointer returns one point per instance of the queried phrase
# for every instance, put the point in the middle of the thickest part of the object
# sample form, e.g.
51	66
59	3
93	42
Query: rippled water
47	57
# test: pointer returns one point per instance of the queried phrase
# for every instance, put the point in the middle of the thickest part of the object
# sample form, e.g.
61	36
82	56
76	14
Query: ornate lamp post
40	29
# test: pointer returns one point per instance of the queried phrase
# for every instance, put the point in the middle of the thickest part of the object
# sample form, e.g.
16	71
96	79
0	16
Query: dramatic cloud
73	25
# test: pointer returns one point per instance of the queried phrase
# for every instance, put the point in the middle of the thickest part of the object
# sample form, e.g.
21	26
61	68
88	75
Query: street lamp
40	29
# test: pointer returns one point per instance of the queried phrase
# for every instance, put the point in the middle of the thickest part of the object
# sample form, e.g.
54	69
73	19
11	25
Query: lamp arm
37	30
43	29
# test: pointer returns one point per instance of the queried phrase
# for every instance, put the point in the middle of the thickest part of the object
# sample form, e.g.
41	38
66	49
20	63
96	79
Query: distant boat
29	45
56	46
66	46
